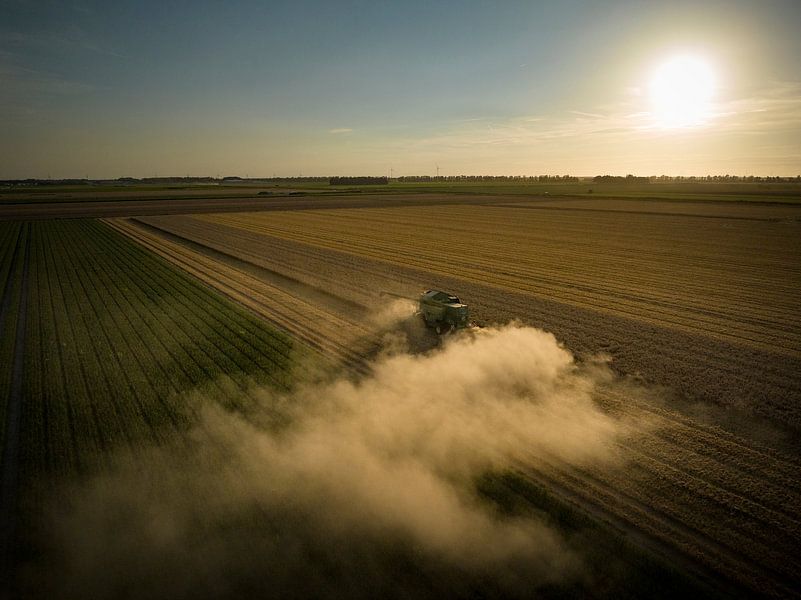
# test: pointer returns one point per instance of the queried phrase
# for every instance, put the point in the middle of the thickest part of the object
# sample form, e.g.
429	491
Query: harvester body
443	311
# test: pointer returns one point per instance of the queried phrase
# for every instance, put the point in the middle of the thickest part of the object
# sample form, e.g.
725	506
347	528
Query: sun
681	92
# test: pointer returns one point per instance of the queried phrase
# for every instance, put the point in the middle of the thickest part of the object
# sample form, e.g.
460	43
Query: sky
208	88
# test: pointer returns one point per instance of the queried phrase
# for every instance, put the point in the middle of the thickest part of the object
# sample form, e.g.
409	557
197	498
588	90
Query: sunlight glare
681	91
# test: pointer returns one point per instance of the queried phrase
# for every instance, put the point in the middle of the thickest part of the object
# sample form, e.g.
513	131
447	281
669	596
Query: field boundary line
194	265
282	281
187	323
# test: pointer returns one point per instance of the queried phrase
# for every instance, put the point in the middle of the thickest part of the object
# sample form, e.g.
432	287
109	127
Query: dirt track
699	483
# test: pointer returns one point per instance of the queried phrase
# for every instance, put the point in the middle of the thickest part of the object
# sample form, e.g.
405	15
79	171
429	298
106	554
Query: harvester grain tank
443	311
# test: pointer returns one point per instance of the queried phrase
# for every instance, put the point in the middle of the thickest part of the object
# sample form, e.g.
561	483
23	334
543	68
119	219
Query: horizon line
555	176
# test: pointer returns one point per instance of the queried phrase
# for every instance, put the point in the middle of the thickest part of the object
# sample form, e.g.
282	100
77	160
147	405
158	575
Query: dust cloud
367	487
392	312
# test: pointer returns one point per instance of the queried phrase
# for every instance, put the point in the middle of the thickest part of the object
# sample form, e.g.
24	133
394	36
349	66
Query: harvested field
675	299
698	303
714	210
732	280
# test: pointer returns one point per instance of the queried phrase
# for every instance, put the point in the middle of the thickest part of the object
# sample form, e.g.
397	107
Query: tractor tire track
637	525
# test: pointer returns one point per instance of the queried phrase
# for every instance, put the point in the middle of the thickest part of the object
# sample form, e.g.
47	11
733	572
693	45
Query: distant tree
358	181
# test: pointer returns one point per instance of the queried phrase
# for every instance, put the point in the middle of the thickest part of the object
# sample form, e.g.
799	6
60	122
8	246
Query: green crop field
113	338
113	334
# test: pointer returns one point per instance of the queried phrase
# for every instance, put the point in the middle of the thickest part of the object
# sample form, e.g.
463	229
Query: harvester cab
442	311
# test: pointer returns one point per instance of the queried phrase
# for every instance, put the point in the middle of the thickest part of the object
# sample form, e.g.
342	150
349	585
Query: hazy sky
109	89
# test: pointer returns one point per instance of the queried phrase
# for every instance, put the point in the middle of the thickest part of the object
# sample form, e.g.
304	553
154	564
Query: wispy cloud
339	130
76	39
777	107
755	133
774	109
21	81
26	94
586	114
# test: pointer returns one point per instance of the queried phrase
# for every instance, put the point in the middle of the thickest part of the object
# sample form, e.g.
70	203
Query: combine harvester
440	311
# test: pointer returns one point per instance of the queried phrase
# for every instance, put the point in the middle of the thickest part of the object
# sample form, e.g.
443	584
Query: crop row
523	268
647	244
12	244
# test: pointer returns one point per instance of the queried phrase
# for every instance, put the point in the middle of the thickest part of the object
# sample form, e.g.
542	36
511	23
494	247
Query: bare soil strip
8	489
8	284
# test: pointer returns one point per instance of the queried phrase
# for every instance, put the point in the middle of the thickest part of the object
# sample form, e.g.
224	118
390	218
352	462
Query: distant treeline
489	178
163	180
358	181
298	179
632	179
729	179
620	179
695	179
118	181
